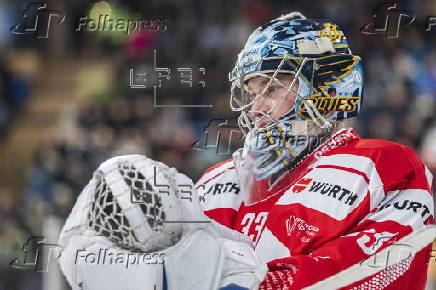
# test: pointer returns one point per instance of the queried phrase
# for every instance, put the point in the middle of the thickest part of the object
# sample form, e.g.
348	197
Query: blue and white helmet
329	89
330	77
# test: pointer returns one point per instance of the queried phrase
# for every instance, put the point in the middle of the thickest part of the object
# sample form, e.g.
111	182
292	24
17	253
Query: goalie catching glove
138	225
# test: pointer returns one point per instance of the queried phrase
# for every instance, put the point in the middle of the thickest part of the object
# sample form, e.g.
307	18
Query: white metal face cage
241	101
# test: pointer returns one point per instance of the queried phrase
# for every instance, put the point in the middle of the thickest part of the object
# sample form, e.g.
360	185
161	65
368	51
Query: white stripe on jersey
318	194
270	248
212	197
360	163
429	176
409	207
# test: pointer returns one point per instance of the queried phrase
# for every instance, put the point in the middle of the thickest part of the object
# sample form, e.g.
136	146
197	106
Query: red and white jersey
347	200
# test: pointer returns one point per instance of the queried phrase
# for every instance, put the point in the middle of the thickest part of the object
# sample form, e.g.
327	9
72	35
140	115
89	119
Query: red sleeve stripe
395	165
212	178
218	165
352	170
217	168
224	216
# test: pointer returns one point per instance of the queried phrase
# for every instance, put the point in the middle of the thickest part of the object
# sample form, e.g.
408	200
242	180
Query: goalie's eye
272	89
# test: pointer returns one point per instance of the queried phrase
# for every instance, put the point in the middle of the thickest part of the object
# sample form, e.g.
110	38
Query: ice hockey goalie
313	196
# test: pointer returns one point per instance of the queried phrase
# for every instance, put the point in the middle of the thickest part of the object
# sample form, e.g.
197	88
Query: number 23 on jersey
252	225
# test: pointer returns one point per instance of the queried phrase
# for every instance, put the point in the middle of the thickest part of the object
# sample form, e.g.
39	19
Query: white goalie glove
138	225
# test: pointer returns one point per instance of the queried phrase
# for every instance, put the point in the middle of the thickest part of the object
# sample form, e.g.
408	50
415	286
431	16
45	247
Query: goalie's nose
260	112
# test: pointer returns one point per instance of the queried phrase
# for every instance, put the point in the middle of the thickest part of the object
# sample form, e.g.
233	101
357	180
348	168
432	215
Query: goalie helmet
329	76
133	202
325	79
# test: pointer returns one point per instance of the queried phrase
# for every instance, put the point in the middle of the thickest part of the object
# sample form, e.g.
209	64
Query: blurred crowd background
67	102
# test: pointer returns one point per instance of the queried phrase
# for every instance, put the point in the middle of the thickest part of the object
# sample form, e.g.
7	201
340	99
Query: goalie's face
271	98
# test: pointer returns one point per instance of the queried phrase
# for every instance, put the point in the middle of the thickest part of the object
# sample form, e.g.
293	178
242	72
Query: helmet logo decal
331	31
325	105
